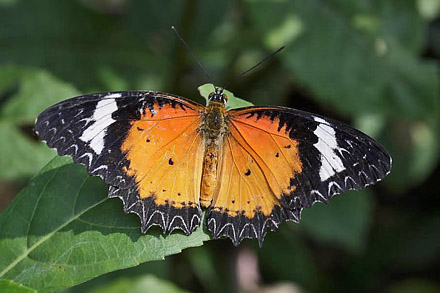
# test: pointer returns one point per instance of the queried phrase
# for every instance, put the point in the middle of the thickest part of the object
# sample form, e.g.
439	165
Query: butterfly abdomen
209	177
214	128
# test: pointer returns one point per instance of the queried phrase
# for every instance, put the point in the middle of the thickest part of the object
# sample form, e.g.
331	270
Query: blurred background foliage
373	64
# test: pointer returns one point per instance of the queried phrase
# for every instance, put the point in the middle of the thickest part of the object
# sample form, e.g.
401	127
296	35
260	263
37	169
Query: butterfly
251	168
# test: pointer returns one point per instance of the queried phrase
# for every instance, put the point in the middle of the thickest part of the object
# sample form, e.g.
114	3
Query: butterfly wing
146	145
279	160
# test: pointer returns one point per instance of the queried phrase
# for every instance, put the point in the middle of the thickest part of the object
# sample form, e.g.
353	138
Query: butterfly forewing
146	145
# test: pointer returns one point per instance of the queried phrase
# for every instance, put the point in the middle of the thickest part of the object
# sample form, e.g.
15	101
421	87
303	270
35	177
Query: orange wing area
277	161
144	144
259	160
165	153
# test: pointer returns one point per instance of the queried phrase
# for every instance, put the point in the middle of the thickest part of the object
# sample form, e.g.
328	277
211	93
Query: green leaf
139	285
345	221
159	269
74	42
360	57
38	89
11	287
112	81
22	154
63	230
233	101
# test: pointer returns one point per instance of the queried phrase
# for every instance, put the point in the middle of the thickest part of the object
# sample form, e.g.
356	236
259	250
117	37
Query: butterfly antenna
192	55
255	66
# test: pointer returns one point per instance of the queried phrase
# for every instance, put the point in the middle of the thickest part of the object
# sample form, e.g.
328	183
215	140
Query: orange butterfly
166	157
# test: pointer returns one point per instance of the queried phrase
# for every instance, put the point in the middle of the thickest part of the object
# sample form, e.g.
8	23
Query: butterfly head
218	96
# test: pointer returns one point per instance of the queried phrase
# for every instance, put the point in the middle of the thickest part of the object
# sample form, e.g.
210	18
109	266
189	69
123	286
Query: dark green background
373	64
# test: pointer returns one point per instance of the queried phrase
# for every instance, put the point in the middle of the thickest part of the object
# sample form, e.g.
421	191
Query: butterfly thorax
213	129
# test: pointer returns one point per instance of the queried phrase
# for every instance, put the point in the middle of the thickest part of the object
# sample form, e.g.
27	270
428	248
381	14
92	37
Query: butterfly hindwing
146	145
282	160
